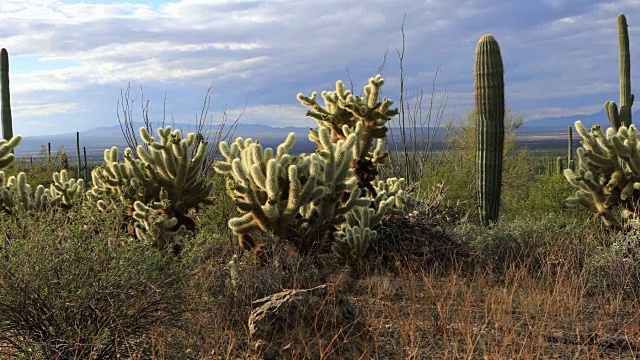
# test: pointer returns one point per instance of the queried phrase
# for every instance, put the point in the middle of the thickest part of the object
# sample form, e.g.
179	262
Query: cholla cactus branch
155	227
6	151
342	112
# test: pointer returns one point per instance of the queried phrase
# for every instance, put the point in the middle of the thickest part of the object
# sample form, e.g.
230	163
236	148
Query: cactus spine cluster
7	125
489	110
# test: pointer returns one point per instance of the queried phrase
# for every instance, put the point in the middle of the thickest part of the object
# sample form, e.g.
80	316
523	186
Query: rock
308	323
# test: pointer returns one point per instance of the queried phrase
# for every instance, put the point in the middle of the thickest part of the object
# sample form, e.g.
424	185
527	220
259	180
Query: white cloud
37	109
558	54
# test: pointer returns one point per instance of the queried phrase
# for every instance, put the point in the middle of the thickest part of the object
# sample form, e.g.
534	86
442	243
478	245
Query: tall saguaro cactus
489	108
570	162
7	127
80	164
622	117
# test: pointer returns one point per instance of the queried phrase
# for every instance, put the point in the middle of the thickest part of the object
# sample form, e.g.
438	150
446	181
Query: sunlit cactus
489	109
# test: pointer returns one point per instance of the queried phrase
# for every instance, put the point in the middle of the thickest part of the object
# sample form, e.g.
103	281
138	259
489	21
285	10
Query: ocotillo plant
622	117
80	166
489	108
7	126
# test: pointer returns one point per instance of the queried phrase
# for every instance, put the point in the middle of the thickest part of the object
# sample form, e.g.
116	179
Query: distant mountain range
98	139
548	126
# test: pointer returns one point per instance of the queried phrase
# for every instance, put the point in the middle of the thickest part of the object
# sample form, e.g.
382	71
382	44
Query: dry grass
527	289
544	307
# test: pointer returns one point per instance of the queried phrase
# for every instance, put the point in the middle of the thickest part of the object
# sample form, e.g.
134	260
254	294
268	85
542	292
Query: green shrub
70	289
39	172
455	166
526	239
616	267
215	219
547	195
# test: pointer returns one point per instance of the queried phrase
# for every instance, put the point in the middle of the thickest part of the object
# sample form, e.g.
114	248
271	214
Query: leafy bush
547	195
215	219
40	171
524	240
70	289
454	167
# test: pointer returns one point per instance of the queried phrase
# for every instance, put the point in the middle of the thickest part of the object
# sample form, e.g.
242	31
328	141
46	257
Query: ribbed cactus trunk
489	111
626	97
7	125
623	116
570	162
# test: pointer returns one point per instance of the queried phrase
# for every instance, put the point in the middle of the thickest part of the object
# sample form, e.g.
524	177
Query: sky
70	60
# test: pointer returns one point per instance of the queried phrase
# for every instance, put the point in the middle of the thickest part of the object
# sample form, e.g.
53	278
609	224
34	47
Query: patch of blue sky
154	4
26	64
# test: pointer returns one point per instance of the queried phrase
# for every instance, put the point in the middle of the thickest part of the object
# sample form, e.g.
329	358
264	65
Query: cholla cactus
170	165
6	151
166	175
396	188
154	226
358	231
15	191
342	108
291	197
313	199
167	165
118	183
64	190
608	172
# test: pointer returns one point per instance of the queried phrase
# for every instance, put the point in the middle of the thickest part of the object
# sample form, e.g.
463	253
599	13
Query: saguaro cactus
7	126
80	165
622	117
489	109
570	163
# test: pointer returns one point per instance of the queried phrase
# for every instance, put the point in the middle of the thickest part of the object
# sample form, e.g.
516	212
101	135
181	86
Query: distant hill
97	140
560	124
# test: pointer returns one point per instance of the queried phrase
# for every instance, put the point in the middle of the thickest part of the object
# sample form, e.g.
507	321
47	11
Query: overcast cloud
70	59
